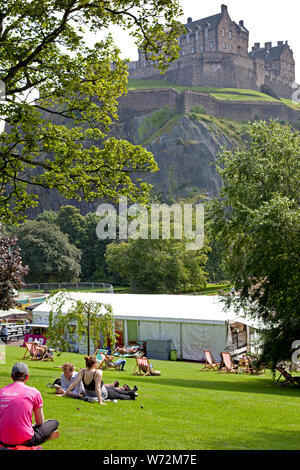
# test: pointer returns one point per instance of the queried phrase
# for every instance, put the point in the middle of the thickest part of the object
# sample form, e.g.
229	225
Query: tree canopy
256	218
48	253
12	271
82	319
158	266
43	51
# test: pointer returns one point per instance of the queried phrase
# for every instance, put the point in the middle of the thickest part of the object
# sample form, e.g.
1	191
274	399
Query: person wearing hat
18	402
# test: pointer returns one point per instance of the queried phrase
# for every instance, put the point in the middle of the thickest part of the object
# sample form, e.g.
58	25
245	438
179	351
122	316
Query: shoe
115	401
135	389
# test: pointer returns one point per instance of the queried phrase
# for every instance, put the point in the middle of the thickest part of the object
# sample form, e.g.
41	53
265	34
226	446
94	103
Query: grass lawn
183	409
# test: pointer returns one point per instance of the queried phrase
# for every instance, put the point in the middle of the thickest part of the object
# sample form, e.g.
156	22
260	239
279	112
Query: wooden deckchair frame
103	364
230	368
32	351
142	366
289	379
210	363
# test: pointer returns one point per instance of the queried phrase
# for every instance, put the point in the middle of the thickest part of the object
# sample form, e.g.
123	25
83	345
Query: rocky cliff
185	148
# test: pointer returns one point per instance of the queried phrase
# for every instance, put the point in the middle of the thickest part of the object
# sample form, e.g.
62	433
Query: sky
266	20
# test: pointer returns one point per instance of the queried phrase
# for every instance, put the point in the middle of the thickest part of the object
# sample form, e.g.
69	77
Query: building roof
170	308
212	20
273	53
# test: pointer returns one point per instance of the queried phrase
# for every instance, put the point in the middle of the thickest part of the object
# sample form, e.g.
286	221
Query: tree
61	140
69	317
12	271
162	266
256	218
48	253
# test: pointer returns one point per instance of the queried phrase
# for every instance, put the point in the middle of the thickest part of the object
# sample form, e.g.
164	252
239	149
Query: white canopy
167	308
192	323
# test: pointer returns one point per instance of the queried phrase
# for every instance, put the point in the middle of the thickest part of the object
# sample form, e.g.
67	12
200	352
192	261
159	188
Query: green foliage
158	266
11	271
198	110
47	252
257	220
42	50
89	319
155	121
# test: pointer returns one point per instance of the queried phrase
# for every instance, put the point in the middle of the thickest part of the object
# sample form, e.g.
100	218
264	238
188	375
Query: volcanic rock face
185	147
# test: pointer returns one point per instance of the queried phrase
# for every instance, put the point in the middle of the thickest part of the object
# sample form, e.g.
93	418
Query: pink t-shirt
17	402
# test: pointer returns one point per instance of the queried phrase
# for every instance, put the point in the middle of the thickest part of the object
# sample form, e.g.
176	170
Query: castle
214	53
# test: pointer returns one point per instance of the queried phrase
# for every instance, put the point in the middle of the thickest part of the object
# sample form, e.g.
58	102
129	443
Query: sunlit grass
184	408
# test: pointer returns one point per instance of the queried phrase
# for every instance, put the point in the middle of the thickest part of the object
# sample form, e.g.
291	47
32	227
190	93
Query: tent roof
170	308
12	311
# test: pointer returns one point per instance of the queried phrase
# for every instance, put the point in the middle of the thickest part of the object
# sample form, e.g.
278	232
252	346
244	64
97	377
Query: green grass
184	409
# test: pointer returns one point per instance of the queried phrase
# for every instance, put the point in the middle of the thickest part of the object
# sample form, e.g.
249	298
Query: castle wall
139	102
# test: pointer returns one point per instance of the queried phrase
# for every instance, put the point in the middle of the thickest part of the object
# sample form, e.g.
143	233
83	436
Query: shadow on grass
259	386
264	440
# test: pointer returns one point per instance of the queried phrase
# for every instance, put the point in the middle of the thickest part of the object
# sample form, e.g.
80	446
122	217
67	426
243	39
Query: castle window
197	35
193	50
212	45
224	45
206	32
183	52
201	47
231	48
223	33
230	35
187	37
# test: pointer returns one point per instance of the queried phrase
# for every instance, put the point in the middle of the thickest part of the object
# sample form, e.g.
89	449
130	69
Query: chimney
223	8
280	43
190	20
287	43
256	46
268	45
241	23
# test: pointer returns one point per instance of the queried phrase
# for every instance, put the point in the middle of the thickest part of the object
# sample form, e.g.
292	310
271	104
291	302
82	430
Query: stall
191	323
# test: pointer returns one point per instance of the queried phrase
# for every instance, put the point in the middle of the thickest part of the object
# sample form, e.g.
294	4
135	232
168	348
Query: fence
46	287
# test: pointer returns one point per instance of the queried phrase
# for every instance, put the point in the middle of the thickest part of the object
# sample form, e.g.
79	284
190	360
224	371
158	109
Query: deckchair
31	352
227	363
103	360
289	379
210	363
142	366
35	352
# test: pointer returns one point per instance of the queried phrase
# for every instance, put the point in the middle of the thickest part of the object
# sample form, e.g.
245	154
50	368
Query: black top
92	385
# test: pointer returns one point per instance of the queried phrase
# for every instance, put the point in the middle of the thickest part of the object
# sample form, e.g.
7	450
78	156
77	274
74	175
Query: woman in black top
94	385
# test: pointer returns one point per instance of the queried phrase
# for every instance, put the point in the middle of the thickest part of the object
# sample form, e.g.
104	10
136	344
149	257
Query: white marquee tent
192	323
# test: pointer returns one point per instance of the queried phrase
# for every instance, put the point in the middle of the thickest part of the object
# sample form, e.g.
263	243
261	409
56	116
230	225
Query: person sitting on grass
94	386
18	402
67	377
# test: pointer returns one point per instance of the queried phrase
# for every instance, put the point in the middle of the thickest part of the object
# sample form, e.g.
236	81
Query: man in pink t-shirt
18	402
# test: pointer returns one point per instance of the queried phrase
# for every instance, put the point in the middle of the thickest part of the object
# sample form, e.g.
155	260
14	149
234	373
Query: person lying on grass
67	378
94	386
18	403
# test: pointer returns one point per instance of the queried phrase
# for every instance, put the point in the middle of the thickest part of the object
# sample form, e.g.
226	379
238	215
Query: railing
49	286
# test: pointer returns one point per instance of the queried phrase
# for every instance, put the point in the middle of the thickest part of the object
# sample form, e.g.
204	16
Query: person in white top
67	378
